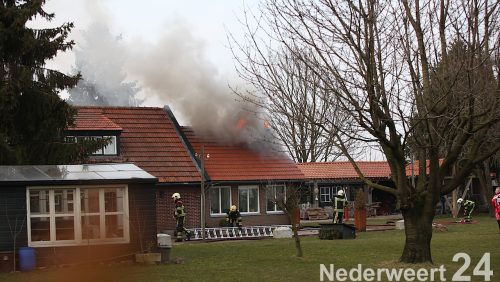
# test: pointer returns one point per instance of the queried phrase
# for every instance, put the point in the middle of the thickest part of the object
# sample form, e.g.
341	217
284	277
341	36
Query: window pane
63	200
253	197
39	202
40	229
113	200
91	227
90	200
243	200
98	152
65	228
214	200
225	199
280	194
270	198
114	226
110	149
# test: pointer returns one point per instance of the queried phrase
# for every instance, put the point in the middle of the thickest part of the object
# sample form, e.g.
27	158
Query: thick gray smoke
173	70
176	70
100	58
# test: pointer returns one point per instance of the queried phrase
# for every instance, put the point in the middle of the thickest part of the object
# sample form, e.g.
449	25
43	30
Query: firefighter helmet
233	208
176	196
341	192
460	200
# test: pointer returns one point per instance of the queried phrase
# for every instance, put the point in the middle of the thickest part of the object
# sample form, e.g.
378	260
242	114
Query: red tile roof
237	162
148	139
417	169
93	119
345	170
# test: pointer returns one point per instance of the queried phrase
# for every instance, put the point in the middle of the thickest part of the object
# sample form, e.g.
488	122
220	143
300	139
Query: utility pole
202	192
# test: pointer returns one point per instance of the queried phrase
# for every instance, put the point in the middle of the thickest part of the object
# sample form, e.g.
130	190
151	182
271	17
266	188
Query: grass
274	260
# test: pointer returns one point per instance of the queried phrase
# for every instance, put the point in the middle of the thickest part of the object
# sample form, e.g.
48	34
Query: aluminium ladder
218	233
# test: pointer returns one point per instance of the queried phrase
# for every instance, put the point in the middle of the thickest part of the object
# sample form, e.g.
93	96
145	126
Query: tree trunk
298	246
360	220
418	230
295	219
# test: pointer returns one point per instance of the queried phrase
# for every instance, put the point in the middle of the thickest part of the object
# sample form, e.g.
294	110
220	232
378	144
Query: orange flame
242	122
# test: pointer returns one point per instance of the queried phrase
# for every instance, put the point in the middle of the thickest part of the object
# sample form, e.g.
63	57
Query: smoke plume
174	70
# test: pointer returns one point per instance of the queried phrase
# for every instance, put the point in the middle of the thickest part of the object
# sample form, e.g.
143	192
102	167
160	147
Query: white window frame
77	214
323	195
249	187
219	188
332	190
273	187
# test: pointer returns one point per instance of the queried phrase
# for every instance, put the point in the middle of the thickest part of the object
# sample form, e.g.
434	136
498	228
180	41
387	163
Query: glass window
63	200
220	200
248	198
110	149
65	228
91	227
274	194
40	229
325	194
39	202
77	215
99	151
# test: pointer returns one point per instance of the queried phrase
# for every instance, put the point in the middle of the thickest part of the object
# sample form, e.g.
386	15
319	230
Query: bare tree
291	94
16	223
288	201
379	61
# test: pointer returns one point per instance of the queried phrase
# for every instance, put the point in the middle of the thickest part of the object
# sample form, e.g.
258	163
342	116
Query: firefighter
468	208
233	217
339	204
180	215
495	201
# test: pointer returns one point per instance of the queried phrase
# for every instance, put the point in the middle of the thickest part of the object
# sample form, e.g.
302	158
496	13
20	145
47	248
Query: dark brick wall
165	207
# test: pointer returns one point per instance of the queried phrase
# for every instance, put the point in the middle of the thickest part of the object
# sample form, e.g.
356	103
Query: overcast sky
146	21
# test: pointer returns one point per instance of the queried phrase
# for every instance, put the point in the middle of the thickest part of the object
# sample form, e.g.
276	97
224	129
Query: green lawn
274	259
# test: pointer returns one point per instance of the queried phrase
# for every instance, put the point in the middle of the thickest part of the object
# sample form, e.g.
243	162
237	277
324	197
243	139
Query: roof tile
345	170
148	139
237	162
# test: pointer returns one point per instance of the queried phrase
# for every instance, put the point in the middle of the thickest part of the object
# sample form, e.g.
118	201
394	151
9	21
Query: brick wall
165	207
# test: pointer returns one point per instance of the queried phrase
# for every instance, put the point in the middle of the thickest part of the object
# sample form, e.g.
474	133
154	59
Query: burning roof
226	161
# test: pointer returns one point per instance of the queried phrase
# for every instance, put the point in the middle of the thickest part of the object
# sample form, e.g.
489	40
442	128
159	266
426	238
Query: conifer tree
33	117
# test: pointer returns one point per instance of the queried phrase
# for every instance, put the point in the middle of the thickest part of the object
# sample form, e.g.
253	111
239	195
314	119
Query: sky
177	51
209	21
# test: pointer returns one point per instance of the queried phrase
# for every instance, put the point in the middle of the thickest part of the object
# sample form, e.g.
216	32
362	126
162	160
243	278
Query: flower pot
360	220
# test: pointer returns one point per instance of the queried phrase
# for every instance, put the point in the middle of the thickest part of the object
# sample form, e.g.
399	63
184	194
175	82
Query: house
152	139
325	179
77	213
248	177
147	137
